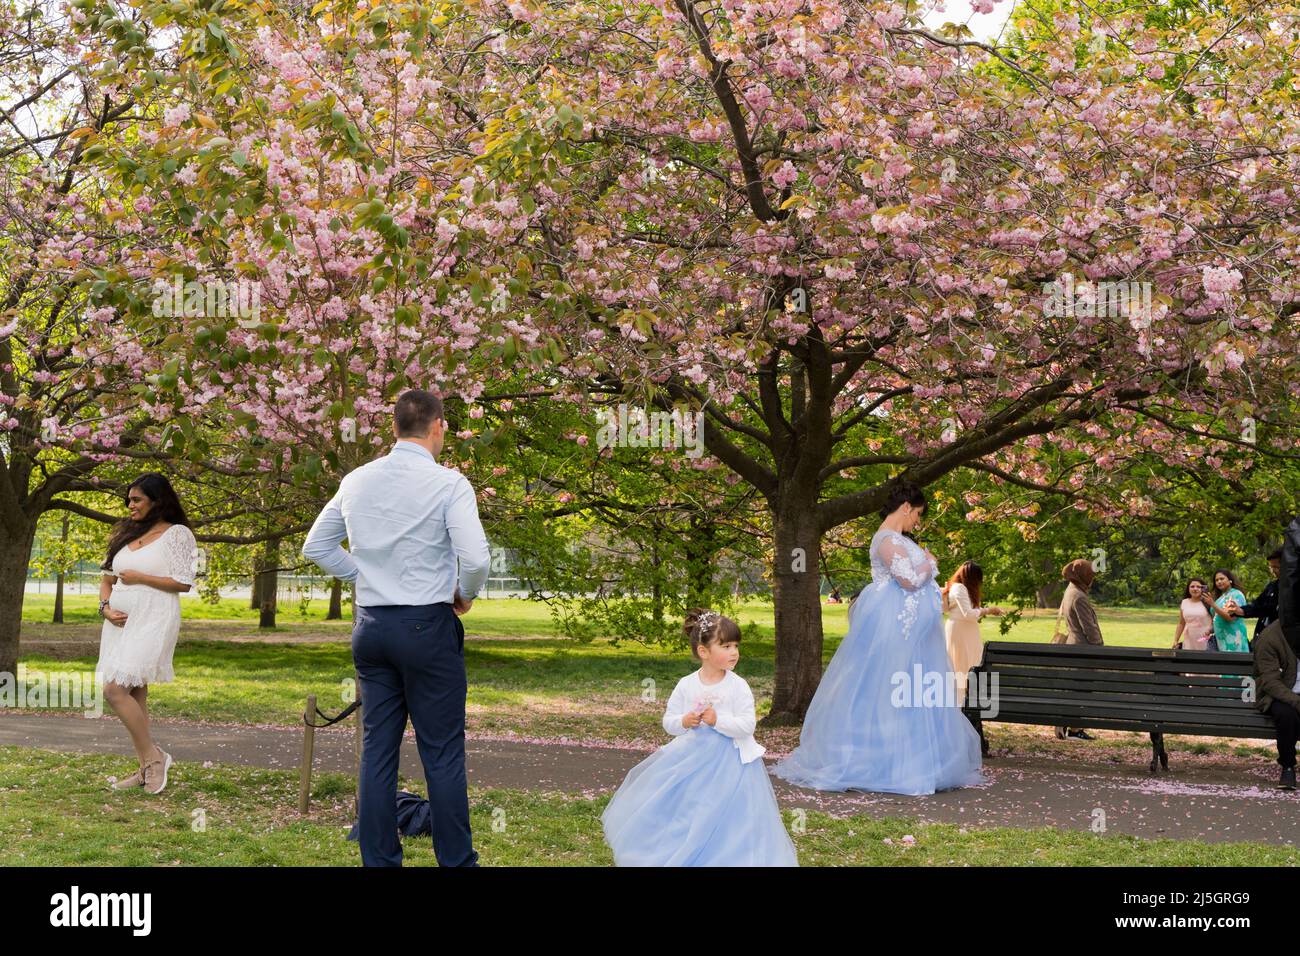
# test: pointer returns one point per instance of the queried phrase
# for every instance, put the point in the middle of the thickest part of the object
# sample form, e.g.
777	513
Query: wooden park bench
1156	690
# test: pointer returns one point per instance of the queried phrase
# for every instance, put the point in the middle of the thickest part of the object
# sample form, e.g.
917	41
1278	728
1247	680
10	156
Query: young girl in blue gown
705	798
870	726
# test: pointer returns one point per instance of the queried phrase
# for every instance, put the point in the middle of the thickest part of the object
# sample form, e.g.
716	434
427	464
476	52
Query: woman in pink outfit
1194	623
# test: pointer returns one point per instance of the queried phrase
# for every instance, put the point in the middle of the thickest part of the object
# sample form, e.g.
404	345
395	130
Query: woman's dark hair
166	507
1275	555
1187	591
706	627
1231	580
904	492
971	575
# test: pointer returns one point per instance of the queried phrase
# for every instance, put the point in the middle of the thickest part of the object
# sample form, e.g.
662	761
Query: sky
985	26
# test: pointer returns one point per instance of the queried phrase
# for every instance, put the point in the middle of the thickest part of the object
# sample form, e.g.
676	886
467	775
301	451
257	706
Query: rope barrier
328	720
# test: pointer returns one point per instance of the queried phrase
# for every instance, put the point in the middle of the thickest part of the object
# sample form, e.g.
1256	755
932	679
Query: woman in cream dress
963	605
152	558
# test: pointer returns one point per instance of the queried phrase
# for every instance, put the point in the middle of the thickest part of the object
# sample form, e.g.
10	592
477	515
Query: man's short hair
1276	555
415	413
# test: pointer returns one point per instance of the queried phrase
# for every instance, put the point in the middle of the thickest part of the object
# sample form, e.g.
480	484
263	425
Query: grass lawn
56	810
516	617
544	686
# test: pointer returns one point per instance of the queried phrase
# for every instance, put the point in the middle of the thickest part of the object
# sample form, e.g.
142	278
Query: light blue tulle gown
693	803
865	728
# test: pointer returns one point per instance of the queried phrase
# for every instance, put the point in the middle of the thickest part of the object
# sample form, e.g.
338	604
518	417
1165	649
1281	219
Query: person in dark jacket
1276	648
1264	607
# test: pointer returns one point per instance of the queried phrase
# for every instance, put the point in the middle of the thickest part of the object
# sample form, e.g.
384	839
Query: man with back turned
408	521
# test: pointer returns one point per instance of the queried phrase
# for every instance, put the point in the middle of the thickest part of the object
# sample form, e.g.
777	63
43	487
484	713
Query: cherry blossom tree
82	351
67	366
859	251
866	250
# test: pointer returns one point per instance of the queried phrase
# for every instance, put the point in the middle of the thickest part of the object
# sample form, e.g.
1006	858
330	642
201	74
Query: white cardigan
958	604
730	698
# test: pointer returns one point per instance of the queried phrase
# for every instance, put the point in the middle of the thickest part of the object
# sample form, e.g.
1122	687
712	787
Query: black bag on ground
412	816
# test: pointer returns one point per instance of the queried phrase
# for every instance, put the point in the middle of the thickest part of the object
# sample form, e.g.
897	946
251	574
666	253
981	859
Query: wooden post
308	746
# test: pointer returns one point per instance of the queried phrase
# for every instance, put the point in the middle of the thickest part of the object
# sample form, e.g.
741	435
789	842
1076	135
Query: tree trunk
58	579
270	581
700	548
255	598
15	553
335	612
797	593
656	585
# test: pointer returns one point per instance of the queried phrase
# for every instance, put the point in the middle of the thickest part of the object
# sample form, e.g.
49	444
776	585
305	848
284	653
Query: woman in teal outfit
1229	629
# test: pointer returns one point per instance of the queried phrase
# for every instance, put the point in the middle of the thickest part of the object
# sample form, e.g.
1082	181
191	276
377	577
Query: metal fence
290	587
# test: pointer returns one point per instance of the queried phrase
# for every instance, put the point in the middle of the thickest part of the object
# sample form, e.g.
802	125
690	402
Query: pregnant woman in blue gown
872	725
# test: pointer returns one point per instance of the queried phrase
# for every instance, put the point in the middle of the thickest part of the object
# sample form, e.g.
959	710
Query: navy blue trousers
410	661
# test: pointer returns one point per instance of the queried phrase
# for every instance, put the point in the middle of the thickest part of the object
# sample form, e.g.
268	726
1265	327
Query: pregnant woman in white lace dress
152	558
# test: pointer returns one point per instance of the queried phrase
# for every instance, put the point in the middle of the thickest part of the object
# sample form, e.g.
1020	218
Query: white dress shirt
407	520
730	698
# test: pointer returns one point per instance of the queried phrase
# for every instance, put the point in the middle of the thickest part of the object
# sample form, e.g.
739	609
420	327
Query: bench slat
1108	653
1015	681
1207	704
1102	723
1172	678
1231	667
1245	716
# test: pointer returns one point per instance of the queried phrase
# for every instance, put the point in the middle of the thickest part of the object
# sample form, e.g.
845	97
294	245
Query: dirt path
1211	803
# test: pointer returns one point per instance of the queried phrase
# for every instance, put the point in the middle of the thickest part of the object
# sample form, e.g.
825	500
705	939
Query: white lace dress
140	652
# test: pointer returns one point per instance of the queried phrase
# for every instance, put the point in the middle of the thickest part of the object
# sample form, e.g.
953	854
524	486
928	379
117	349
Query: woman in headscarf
1079	618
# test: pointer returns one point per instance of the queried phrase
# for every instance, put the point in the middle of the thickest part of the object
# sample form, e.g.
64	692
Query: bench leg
978	723
1159	757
